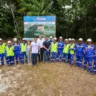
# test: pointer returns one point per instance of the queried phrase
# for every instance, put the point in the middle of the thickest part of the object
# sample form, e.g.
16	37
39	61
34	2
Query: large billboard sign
39	25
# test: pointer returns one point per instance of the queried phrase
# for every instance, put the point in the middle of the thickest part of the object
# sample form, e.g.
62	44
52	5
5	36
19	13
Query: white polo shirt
35	47
40	42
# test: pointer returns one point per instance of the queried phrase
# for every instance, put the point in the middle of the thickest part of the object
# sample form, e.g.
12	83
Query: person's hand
47	49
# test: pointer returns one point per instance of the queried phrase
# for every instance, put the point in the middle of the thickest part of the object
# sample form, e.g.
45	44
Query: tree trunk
15	23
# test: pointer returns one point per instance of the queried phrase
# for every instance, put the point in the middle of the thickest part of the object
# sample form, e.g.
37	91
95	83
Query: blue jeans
10	60
2	59
65	56
79	60
34	57
46	56
22	57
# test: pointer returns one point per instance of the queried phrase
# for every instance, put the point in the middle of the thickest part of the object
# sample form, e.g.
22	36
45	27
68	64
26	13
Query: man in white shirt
34	50
40	41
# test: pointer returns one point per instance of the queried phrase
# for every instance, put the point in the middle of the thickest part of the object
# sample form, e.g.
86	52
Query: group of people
49	50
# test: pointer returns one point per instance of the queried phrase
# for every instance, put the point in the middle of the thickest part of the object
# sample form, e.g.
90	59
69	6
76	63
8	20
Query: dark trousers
46	56
41	55
34	57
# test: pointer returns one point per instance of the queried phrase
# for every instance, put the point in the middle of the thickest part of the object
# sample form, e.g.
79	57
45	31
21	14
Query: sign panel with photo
39	25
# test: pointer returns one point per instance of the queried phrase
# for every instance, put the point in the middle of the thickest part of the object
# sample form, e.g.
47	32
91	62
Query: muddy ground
46	80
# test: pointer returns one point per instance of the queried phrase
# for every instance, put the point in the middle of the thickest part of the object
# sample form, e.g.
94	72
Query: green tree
9	6
35	7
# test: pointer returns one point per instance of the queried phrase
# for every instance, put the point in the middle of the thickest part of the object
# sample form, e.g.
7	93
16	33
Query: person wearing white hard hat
23	54
65	51
79	51
54	48
80	39
55	39
24	39
15	39
2	52
60	49
51	37
72	52
89	54
69	40
66	40
73	40
0	39
16	45
9	53
89	40
60	37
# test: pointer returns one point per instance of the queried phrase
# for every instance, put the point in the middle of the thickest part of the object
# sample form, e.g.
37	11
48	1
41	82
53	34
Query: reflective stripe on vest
10	51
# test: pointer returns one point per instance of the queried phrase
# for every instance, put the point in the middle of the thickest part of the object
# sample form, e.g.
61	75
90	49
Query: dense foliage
75	18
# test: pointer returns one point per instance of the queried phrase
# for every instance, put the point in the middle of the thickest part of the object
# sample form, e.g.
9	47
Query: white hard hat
9	42
55	38
69	39
89	40
73	39
80	39
66	39
23	39
60	37
0	39
15	39
51	37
